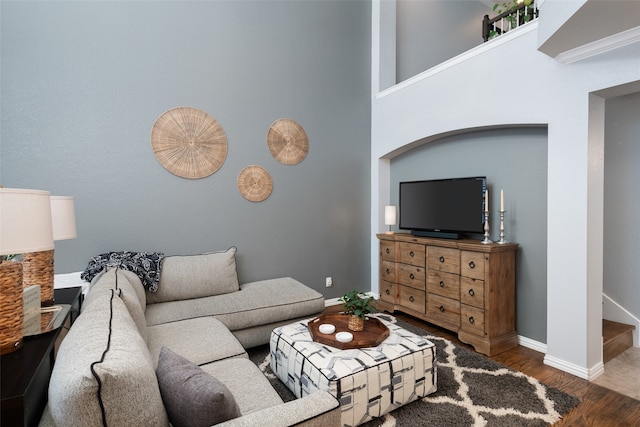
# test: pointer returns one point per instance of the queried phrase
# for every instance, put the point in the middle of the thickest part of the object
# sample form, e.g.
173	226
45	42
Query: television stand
462	285
437	234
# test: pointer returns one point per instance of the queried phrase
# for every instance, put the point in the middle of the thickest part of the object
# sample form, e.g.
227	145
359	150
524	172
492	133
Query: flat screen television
448	208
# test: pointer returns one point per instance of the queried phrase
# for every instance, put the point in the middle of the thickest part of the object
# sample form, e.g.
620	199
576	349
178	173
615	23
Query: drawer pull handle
441	284
472	264
441	259
387	250
471	320
387	271
411	276
441	309
411	254
471	292
387	292
411	298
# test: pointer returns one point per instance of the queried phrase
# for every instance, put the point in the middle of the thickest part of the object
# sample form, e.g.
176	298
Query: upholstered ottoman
368	382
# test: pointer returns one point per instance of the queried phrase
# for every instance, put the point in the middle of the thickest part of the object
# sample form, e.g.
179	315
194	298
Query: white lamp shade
389	215
63	217
25	221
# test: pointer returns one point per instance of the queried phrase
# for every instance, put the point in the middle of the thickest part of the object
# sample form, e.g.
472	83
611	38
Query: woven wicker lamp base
37	269
11	307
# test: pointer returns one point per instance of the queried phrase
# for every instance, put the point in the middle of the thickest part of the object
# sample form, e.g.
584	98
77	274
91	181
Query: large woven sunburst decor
255	183
189	143
287	141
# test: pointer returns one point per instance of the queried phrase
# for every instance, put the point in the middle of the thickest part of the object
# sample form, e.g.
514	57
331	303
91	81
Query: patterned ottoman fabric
368	382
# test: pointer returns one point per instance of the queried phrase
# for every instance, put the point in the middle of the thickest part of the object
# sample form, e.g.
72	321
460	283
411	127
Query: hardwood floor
599	406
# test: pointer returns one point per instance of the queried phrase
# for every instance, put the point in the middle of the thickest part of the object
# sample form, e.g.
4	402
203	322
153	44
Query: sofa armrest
319	409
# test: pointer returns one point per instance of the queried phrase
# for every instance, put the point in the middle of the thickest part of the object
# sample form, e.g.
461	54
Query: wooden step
617	337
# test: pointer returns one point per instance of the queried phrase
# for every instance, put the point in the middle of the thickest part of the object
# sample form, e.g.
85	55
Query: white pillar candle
486	200
501	200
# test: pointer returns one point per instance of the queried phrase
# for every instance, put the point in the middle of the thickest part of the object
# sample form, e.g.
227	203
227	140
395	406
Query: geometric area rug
473	390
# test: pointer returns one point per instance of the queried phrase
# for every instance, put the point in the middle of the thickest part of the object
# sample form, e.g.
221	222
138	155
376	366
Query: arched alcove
513	158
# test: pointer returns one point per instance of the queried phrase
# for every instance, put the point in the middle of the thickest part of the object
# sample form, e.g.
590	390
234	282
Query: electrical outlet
328	282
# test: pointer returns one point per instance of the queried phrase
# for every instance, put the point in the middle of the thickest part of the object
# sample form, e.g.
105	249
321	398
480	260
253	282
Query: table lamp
38	267
25	226
389	217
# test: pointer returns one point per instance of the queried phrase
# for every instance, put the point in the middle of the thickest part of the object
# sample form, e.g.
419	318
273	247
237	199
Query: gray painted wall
429	32
514	160
83	83
622	202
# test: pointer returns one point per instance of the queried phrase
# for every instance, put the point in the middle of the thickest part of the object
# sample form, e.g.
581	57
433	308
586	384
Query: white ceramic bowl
344	336
327	328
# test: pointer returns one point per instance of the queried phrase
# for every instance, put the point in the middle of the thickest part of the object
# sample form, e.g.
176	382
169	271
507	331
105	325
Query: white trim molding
532	344
573	369
598	47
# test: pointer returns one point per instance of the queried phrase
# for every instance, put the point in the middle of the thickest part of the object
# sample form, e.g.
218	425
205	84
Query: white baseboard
532	344
335	301
579	371
331	301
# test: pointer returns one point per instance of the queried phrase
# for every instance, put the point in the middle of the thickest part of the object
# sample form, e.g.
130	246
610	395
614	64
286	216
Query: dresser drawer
412	276
411	298
387	250
388	271
443	310
472	320
388	292
444	259
472	264
412	253
445	284
472	292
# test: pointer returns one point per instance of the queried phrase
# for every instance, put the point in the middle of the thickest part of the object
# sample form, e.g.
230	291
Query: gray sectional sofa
177	356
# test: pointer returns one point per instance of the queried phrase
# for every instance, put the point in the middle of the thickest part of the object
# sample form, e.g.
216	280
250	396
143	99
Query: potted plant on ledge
357	305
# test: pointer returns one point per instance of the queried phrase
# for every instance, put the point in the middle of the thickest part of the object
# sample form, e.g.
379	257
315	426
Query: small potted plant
357	305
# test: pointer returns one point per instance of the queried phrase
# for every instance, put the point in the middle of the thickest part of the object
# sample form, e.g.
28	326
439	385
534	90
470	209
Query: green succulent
357	303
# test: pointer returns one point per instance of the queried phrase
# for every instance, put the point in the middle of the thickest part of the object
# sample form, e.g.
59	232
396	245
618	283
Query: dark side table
25	373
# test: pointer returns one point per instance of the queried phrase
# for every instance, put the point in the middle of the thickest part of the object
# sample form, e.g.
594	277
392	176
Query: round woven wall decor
287	142
189	143
255	183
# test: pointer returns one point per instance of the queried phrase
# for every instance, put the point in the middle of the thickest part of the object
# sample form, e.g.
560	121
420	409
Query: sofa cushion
318	409
201	340
196	276
245	381
257	303
120	279
192	397
103	364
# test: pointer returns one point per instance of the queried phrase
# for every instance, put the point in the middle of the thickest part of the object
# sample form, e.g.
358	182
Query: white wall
453	98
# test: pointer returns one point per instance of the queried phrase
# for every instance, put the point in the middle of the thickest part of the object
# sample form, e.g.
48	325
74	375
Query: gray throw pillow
196	276
191	396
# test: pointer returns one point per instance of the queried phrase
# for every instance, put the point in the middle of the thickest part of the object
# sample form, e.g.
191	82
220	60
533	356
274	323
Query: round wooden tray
373	334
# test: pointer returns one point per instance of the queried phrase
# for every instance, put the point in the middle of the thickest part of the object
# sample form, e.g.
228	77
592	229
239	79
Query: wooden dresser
461	285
